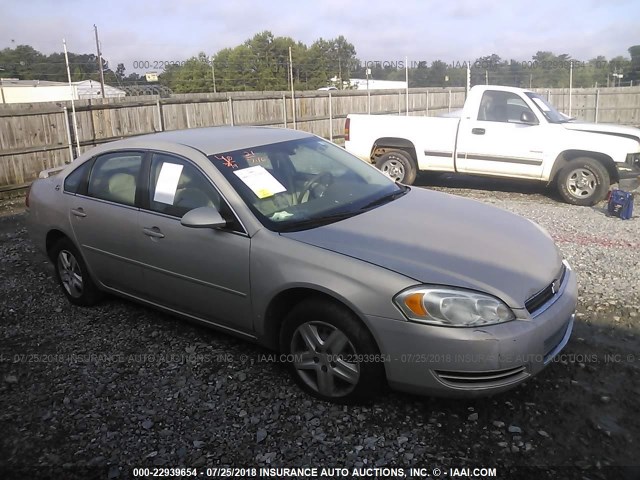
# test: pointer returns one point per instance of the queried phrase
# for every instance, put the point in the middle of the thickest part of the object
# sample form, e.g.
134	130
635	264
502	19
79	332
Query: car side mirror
203	217
528	117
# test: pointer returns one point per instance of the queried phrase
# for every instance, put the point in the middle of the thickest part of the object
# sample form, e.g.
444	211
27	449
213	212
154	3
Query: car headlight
452	307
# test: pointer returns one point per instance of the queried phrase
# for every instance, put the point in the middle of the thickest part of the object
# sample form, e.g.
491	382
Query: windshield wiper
387	198
317	221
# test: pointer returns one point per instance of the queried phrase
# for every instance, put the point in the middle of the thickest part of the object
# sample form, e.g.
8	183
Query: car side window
75	180
176	187
114	177
502	107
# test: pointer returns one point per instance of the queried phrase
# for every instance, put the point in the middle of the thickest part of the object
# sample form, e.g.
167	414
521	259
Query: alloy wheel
581	183
70	273
394	169
325	359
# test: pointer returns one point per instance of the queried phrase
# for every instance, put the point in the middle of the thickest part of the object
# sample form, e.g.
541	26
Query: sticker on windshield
167	183
260	181
543	106
255	158
228	160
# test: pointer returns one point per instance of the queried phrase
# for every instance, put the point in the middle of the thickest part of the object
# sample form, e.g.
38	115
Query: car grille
546	294
484	379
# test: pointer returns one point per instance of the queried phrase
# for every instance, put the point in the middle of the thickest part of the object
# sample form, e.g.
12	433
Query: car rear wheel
331	355
584	181
398	165
72	274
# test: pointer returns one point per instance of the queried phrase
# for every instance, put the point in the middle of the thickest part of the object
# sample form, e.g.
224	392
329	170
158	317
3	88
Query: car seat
122	188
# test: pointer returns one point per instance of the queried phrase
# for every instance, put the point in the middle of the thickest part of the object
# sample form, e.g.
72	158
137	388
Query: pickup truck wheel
584	181
398	165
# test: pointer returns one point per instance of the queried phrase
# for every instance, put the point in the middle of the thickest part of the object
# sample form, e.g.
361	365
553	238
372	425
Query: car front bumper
446	361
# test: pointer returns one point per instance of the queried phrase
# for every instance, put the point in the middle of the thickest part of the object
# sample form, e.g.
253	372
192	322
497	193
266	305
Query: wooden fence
619	105
34	137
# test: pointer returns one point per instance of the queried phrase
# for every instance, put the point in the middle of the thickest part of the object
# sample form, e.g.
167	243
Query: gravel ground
95	392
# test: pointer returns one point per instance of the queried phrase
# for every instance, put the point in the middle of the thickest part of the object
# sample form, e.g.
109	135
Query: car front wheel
331	355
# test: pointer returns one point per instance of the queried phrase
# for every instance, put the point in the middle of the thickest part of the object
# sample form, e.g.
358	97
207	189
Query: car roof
210	140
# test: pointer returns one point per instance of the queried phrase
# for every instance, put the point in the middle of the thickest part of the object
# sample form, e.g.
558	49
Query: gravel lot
94	392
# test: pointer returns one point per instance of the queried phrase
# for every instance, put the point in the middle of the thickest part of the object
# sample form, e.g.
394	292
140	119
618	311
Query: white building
32	91
91	89
371	84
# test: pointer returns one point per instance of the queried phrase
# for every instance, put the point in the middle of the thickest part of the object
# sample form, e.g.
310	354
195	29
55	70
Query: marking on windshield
255	158
228	160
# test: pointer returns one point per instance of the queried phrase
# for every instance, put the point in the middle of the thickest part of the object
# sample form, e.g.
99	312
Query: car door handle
477	131
153	232
78	212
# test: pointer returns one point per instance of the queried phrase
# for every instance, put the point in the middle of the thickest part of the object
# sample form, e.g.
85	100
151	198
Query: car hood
605	128
442	239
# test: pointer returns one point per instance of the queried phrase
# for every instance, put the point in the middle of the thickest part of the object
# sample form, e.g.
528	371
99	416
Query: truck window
497	106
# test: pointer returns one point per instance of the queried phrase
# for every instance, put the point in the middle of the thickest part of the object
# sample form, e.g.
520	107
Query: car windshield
548	110
301	184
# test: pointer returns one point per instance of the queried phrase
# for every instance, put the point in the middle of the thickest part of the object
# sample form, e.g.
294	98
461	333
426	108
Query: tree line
262	63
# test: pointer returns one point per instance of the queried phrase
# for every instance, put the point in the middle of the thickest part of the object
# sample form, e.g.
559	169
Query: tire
72	274
583	181
323	341
399	166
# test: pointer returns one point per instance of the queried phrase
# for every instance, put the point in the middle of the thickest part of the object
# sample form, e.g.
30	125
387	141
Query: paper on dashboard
260	181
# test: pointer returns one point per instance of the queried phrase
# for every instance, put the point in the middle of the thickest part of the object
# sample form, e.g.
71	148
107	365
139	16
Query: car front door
202	272
104	217
500	141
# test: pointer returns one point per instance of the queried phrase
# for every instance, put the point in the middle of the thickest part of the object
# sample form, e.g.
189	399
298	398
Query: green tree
192	77
619	66
21	62
634	71
120	69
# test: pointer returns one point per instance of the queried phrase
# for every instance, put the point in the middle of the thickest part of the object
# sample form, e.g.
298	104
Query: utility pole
99	61
468	78
570	84
73	94
406	79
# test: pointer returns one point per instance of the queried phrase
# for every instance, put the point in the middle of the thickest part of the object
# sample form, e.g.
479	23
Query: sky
421	30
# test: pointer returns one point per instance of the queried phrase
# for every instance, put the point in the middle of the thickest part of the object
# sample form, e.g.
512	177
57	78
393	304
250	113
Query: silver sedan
287	240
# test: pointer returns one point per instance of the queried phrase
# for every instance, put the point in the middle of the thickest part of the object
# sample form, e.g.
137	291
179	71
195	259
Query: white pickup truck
502	132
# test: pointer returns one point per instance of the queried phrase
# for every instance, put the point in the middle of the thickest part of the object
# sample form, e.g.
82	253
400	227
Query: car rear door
104	217
200	272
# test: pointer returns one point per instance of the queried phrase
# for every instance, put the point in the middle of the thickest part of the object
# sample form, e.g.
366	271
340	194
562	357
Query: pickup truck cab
502	132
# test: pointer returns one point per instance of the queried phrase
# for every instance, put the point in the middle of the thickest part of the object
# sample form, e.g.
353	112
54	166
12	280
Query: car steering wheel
320	179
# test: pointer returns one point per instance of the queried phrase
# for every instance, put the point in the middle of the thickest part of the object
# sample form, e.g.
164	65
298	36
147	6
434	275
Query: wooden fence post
330	118
160	116
231	111
284	110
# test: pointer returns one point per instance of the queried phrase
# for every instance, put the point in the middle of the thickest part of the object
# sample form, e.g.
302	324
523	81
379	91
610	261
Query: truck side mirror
528	117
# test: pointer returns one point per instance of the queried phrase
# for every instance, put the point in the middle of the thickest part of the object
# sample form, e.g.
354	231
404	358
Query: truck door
505	139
